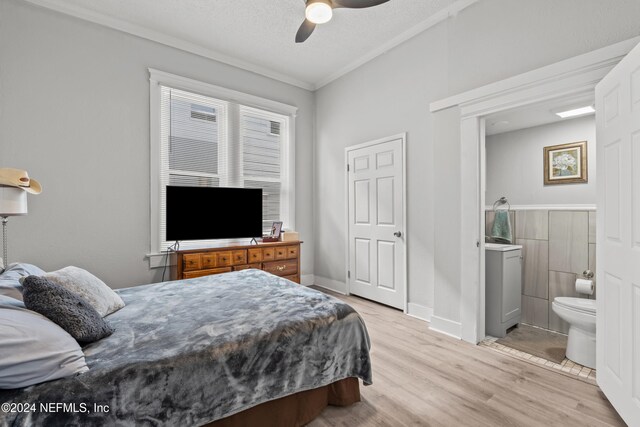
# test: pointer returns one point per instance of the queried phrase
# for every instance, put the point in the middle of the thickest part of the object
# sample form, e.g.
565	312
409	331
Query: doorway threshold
566	367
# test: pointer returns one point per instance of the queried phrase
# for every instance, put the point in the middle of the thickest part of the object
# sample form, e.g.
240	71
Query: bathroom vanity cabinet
503	288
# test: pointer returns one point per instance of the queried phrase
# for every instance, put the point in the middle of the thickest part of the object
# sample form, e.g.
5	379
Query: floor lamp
13	202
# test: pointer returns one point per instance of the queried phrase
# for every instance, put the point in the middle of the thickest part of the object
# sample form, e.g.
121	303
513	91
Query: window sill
157	260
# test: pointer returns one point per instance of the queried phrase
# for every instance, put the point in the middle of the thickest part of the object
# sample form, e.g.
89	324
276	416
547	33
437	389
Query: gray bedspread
194	351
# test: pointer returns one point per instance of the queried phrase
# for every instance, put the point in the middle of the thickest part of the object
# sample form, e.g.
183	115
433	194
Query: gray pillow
33	349
70	311
10	285
93	290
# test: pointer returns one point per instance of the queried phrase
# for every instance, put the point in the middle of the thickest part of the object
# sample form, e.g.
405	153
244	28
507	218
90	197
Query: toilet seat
583	305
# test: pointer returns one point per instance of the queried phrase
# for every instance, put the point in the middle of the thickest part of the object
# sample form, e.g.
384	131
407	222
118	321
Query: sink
501	247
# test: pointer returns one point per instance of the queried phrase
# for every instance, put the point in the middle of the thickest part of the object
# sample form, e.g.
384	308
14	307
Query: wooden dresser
279	258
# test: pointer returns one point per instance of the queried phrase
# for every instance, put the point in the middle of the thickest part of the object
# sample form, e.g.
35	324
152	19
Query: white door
618	237
376	221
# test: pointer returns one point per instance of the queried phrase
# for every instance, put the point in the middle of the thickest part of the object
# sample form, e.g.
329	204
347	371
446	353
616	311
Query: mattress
193	351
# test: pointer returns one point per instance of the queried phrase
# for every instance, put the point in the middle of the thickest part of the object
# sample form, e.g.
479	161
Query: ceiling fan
321	11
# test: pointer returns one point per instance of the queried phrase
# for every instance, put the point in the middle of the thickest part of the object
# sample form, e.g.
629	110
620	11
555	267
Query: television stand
279	258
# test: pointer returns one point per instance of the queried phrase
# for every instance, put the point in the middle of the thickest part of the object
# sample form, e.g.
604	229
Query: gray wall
515	164
74	112
489	41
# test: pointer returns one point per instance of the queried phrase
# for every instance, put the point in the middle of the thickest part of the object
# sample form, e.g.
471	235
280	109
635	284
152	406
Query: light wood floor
423	378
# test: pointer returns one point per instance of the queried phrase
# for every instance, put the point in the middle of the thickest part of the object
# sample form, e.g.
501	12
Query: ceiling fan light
318	12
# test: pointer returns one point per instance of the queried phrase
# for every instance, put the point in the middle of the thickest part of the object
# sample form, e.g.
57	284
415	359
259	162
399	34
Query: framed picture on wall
566	163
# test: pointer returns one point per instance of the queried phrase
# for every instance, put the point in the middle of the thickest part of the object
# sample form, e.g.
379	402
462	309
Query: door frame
403	139
572	77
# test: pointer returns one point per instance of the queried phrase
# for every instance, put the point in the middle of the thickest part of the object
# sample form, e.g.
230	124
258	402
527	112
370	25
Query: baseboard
418	311
307	279
446	326
330	284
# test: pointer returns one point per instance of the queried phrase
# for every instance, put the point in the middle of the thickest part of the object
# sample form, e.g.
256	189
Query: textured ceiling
261	32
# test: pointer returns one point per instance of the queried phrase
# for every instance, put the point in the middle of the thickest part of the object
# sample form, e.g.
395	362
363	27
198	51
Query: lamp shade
13	201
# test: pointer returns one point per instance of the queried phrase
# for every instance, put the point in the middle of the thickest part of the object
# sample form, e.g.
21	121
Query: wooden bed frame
296	409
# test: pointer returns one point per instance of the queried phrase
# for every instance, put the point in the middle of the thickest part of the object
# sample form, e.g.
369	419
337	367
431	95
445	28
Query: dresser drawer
200	273
247	266
209	260
239	257
281	252
223	259
292	252
295	278
255	255
281	268
268	254
281	259
191	262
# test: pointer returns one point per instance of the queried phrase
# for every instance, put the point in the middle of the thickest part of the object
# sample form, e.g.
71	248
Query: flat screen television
208	213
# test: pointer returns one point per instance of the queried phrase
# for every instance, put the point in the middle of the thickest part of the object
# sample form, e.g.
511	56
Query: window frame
236	100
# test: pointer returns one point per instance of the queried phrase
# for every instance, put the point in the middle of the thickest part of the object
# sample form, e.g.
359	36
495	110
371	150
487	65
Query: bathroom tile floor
567	366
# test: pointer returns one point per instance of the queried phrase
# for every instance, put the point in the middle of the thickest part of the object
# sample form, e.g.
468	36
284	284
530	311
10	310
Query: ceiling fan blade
305	31
356	4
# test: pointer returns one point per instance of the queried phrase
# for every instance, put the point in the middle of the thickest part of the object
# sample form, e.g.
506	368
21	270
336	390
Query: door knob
398	233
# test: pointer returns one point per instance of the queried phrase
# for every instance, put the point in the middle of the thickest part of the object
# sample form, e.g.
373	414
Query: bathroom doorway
539	177
611	74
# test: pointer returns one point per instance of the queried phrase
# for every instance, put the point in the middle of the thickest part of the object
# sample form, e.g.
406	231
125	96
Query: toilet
580	314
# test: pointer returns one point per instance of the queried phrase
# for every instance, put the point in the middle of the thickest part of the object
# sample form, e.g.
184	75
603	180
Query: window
261	159
203	135
193	138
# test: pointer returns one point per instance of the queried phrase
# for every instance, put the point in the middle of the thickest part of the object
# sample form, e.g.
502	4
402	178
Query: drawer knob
280	267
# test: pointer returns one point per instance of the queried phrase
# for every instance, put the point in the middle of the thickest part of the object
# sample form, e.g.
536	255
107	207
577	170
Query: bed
223	349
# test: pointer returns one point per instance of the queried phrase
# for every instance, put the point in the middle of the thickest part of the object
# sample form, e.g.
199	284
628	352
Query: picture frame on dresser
276	229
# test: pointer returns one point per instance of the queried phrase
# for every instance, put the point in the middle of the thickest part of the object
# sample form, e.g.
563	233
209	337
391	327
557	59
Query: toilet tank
503	288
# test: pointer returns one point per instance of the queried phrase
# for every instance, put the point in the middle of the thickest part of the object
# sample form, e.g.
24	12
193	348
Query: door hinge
349	274
347	167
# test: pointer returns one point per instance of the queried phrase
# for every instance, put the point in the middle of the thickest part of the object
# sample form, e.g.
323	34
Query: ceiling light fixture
318	12
576	112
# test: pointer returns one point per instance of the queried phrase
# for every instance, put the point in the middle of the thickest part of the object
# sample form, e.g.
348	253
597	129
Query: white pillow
33	349
95	291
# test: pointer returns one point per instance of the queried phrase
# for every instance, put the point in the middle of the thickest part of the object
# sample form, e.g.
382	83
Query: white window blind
195	132
210	142
262	159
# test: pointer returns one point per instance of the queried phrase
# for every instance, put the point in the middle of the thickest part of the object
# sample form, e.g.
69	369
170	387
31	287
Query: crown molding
432	21
177	43
158	37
